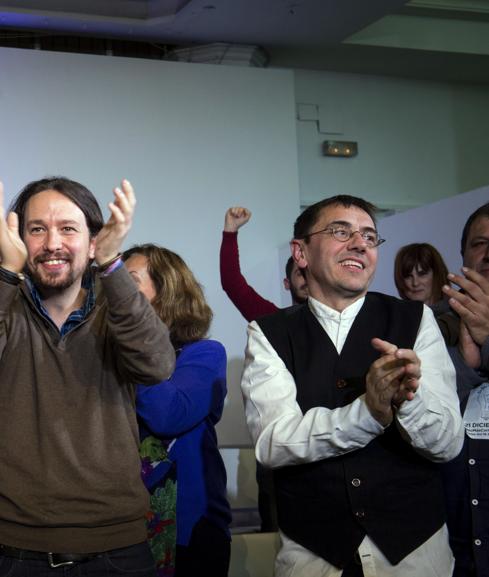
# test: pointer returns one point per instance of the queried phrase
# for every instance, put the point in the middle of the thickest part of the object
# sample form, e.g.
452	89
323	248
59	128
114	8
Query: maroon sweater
249	303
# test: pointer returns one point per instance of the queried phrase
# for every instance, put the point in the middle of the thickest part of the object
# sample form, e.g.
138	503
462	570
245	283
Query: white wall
418	141
193	140
440	223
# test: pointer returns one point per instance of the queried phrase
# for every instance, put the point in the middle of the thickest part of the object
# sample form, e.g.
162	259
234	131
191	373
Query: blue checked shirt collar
77	316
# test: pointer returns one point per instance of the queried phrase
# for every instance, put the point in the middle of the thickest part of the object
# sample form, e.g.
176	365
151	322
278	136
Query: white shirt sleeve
283	435
431	422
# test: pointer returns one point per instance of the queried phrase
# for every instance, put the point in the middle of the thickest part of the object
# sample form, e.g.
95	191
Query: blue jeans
133	561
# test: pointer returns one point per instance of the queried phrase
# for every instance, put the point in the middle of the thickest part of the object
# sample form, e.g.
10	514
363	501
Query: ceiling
443	40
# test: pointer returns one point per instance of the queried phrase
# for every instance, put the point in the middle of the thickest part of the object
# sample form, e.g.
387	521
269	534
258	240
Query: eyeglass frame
333	227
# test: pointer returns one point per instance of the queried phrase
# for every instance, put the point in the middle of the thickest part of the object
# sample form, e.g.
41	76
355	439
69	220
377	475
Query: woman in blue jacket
182	466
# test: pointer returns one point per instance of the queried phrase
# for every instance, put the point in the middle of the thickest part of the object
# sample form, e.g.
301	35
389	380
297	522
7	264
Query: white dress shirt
284	435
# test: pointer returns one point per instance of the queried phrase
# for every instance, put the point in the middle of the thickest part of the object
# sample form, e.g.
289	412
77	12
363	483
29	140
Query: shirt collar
321	310
77	315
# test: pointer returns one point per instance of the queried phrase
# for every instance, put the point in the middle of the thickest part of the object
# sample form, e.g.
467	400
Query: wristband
114	265
104	266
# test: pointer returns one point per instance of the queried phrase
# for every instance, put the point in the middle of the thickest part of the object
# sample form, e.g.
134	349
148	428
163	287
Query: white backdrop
439	223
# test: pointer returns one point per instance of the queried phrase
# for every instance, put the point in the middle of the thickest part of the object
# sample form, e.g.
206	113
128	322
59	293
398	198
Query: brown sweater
69	465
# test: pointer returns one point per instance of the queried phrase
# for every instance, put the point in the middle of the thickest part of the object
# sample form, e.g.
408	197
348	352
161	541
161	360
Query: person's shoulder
290	311
394	301
442	308
282	318
204	346
207	354
398	310
449	324
281	314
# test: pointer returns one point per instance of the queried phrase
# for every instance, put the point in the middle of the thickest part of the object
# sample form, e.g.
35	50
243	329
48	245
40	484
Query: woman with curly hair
182	467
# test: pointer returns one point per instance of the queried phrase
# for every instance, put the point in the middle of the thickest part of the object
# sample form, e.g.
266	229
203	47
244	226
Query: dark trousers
134	561
267	505
207	553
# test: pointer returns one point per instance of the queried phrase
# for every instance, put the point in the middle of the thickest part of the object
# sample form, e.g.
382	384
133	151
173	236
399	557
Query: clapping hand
472	303
110	238
392	379
13	252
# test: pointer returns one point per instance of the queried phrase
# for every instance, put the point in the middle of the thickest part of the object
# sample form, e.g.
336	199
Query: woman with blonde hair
182	467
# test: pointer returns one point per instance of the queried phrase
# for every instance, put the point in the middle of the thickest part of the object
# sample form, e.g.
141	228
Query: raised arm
470	350
235	218
472	306
142	342
110	238
13	252
13	255
249	303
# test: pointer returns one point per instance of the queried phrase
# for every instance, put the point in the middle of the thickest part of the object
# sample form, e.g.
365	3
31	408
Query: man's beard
54	282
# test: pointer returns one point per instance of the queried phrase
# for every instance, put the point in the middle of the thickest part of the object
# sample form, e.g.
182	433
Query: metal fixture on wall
343	148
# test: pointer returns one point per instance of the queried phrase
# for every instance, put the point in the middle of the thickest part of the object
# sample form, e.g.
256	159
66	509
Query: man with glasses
351	399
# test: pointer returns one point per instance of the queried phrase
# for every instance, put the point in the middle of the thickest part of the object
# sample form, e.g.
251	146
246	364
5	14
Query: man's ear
297	250
286	284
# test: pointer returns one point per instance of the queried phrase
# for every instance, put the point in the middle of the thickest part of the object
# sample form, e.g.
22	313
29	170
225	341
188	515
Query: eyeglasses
343	234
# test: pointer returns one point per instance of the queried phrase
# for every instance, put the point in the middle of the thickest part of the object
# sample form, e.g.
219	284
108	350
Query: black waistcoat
385	490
